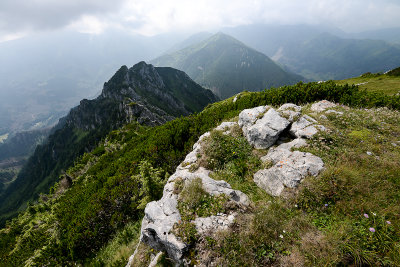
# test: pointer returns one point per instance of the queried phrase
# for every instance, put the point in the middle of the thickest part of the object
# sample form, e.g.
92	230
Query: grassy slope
107	197
375	83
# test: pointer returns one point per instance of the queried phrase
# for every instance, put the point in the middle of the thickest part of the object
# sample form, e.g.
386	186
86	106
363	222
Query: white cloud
157	16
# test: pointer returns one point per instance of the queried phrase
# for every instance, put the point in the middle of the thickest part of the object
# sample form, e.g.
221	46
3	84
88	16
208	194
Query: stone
289	106
265	132
192	158
267	180
322	105
305	127
288	170
295	143
249	116
214	223
162	215
290	111
226	126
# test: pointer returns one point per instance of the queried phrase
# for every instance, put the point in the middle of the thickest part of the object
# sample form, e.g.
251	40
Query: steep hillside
92	216
147	95
15	151
227	66
319	53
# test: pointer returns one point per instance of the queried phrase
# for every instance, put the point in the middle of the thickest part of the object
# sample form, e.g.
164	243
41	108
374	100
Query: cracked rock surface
265	131
161	216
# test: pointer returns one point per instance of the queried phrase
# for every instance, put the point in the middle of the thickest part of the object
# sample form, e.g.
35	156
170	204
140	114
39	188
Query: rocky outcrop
143	93
289	168
265	131
161	216
263	127
305	127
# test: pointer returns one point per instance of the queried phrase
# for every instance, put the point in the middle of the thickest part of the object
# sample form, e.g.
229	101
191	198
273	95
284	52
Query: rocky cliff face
142	93
282	131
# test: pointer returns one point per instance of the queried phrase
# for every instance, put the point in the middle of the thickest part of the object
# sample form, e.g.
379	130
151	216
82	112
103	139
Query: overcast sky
149	17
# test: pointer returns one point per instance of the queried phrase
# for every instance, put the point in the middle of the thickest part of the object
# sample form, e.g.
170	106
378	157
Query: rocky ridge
281	131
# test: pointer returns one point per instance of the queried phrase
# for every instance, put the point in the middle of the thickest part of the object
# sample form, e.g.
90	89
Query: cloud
157	16
22	15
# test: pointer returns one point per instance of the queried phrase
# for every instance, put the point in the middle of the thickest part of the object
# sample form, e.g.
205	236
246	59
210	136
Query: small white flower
374	213
296	205
281	236
284	231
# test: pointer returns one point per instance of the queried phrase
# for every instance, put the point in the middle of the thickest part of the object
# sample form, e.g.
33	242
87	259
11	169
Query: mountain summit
143	94
227	66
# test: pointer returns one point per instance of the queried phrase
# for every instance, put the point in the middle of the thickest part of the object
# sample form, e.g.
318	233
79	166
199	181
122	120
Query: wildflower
284	231
281	236
372	230
388	222
296	205
326	205
374	213
366	215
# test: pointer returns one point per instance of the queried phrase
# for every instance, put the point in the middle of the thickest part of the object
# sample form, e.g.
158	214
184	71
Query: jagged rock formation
289	167
263	127
142	93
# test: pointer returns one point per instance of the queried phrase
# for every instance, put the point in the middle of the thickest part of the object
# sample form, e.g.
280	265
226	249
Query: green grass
324	222
362	159
110	190
384	83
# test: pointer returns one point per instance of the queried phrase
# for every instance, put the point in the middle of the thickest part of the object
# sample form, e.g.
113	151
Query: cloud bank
155	16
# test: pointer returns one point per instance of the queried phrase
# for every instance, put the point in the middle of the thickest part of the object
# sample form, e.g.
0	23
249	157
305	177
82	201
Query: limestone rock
290	111
249	116
289	169
192	158
214	223
305	127
290	106
265	132
295	143
161	216
322	105
226	126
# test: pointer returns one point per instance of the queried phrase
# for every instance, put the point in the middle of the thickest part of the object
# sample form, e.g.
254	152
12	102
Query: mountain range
322	53
227	66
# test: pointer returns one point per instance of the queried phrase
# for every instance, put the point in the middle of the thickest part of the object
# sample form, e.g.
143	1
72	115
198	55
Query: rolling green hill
227	66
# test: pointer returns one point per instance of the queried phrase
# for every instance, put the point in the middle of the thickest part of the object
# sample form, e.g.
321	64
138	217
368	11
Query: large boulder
249	116
289	168
265	131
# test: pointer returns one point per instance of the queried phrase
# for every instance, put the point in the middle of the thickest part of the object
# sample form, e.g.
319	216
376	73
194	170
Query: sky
149	17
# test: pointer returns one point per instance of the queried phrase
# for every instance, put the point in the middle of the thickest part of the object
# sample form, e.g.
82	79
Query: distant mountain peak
227	66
